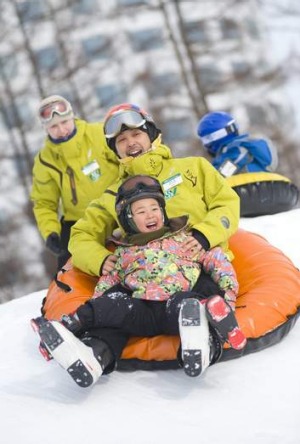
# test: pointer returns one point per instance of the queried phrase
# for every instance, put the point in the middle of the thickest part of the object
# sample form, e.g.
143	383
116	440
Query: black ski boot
72	323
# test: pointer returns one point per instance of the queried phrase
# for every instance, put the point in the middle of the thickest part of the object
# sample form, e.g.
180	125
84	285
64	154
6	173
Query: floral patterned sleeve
106	282
217	265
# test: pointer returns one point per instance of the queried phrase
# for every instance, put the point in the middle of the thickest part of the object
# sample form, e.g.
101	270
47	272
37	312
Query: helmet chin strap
163	214
130	220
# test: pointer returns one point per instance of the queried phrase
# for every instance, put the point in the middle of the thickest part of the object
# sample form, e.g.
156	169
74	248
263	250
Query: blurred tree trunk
19	128
202	106
196	106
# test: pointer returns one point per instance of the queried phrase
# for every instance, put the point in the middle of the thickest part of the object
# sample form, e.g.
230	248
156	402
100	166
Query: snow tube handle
64	287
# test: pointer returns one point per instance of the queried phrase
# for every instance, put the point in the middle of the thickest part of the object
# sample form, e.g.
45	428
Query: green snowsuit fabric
191	185
61	188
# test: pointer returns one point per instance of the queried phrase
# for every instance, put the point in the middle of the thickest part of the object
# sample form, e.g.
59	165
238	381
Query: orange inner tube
269	295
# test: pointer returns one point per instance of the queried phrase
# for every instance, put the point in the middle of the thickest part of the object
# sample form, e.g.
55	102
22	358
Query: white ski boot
70	352
194	335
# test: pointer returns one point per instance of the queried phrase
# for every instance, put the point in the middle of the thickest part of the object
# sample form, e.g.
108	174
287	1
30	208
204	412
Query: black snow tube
264	193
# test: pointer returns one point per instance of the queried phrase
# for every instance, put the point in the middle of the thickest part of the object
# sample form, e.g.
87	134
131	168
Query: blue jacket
248	156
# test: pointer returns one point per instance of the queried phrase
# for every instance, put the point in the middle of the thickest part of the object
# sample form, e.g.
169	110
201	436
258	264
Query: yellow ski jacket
191	185
68	175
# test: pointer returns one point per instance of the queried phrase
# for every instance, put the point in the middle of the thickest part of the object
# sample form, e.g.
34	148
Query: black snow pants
116	316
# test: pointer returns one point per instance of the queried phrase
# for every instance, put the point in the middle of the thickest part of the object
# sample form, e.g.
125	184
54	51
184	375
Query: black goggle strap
231	128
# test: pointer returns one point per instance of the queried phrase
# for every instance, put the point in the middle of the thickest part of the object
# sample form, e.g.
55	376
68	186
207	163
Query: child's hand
109	264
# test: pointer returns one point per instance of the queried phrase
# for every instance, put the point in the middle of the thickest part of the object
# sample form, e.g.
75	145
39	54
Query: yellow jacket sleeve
88	235
45	194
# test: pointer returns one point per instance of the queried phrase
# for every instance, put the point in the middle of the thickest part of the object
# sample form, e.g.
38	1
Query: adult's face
62	129
132	142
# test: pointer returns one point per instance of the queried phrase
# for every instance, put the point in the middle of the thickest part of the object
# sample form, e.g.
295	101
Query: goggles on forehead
135	182
47	112
137	186
130	118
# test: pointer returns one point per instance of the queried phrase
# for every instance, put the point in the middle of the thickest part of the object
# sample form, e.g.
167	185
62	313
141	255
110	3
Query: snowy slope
254	399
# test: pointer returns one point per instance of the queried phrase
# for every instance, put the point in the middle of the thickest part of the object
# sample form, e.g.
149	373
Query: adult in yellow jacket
74	167
191	185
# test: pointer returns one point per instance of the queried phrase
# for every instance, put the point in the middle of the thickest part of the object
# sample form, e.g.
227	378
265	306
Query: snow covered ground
254	399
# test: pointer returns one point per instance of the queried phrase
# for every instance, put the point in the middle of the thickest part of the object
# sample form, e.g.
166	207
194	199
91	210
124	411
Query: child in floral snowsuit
160	263
155	270
163	283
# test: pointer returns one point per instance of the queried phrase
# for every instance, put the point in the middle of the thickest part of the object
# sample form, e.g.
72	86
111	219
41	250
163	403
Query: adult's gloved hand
53	243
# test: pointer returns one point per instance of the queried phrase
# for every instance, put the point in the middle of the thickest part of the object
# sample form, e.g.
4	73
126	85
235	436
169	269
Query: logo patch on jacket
191	177
225	222
170	185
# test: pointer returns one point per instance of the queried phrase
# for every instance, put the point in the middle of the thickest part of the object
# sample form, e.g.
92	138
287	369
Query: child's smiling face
147	215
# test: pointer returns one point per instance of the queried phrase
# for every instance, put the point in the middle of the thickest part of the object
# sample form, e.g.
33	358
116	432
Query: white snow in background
254	399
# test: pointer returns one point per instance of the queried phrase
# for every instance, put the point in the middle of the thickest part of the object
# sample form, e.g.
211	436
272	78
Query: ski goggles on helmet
62	108
230	128
138	187
130	118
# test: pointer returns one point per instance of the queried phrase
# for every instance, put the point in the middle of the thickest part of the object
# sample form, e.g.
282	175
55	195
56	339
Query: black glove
53	243
201	239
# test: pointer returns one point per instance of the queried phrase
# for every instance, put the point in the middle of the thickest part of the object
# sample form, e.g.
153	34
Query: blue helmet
216	129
